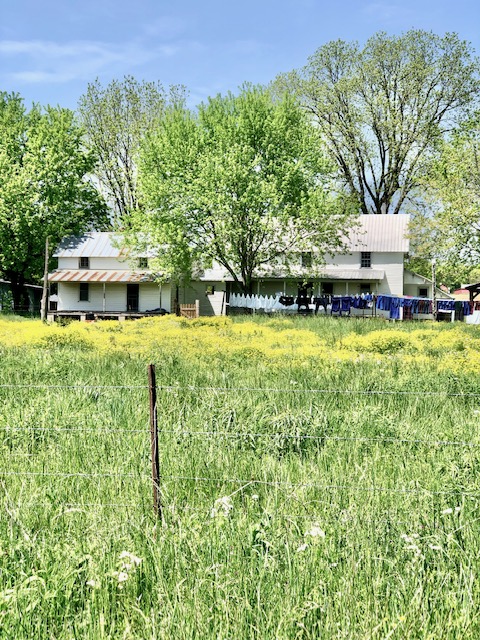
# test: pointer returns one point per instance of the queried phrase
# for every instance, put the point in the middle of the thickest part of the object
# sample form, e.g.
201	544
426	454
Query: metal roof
93	244
95	275
352	274
372	233
380	233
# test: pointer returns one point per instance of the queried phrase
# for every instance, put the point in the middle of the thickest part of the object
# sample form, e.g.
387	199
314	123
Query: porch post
104	299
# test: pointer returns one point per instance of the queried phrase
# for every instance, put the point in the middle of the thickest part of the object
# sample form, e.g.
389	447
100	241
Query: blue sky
51	49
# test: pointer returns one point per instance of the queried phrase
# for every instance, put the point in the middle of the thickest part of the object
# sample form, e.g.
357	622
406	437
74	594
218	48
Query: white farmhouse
97	278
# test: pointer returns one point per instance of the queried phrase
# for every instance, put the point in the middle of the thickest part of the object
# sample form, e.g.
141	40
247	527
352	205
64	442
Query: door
132	297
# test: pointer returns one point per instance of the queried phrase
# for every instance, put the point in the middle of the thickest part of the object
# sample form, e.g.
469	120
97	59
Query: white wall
392	264
115	297
152	296
95	264
210	305
69	297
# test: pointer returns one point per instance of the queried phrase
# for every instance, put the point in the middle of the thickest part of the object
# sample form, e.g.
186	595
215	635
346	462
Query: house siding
96	263
115	297
154	296
392	264
210	305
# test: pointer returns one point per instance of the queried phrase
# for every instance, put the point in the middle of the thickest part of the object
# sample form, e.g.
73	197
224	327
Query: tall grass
349	512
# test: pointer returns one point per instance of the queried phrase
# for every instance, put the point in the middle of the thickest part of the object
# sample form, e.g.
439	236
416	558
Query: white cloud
34	61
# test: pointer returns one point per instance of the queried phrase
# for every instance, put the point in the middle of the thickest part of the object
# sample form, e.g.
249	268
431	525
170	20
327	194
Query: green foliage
45	187
243	182
348	534
6	300
116	118
451	228
383	108
451	273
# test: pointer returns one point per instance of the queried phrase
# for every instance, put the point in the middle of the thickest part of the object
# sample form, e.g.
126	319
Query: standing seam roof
380	233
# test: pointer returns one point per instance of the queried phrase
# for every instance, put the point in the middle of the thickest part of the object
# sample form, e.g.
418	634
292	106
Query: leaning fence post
152	387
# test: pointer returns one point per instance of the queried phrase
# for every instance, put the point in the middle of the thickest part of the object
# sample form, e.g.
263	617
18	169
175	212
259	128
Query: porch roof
352	274
95	275
329	273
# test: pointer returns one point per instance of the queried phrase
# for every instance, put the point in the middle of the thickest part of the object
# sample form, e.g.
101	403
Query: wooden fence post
152	387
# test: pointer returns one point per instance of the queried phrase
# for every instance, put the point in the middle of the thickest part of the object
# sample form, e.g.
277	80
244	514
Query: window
327	288
307	259
365	287
83	292
53	296
366	259
84	263
210	290
422	292
143	263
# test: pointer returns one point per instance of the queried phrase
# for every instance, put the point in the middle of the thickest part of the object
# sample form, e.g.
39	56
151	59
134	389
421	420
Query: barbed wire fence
159	478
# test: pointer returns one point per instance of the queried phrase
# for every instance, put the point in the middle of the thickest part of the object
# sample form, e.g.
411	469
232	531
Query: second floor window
84	263
143	263
307	259
366	259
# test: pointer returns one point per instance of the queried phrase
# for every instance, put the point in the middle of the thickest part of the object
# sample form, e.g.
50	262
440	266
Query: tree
116	118
241	182
382	109
448	228
45	187
455	183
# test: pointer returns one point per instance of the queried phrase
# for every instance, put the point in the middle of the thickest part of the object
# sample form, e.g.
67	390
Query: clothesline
344	304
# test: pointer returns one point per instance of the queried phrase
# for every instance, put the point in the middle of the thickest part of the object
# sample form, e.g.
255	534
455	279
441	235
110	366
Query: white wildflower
315	532
409	538
122	576
414	548
302	547
449	511
255	497
92	583
132	560
222	507
435	547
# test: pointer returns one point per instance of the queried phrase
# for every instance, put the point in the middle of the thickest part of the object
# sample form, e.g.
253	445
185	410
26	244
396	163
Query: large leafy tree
116	117
448	227
241	182
383	107
45	187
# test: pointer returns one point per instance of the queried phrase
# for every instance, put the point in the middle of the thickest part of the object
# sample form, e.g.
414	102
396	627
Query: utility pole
43	305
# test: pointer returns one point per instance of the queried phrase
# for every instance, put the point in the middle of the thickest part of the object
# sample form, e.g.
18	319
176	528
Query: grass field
319	480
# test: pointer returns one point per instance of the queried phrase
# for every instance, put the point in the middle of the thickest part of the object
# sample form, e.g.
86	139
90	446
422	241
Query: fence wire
279	484
291	390
250	434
